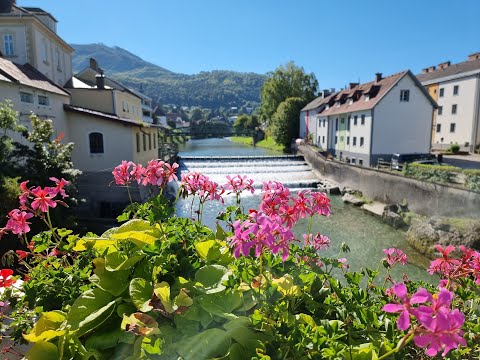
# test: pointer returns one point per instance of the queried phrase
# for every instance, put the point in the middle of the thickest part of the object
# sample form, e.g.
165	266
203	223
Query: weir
291	170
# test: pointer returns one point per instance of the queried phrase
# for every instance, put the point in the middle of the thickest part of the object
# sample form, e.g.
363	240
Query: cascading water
364	234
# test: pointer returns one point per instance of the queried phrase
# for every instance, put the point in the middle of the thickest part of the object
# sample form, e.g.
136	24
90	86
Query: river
365	234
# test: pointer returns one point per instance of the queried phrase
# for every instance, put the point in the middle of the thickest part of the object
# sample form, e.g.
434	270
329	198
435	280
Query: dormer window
350	101
337	103
367	97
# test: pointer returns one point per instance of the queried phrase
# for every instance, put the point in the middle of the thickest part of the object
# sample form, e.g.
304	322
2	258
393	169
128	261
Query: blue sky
339	41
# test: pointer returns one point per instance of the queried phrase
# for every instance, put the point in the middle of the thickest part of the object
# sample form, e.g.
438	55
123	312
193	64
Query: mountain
210	89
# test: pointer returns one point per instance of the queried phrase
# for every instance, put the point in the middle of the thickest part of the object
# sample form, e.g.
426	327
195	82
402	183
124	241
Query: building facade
456	88
374	120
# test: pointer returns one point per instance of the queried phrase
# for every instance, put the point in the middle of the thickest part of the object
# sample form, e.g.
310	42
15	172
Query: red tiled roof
29	76
384	87
452	70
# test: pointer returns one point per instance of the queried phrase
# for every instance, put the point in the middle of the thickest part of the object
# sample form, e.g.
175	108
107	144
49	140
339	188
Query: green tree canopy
285	124
286	82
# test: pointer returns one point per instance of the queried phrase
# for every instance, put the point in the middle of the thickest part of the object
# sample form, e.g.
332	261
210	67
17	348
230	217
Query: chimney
352	85
474	56
444	65
6	6
378	77
424	71
100	79
325	93
93	64
431	68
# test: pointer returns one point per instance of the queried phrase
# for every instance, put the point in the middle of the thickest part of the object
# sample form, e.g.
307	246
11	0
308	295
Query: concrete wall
101	100
19	41
424	198
148	144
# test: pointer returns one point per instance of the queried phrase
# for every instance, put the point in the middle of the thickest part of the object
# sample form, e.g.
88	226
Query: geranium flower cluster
395	256
438	327
200	185
34	201
6	279
452	269
157	173
270	227
238	184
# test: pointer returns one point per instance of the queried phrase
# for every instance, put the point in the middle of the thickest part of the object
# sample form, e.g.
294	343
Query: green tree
241	122
286	82
284	126
197	114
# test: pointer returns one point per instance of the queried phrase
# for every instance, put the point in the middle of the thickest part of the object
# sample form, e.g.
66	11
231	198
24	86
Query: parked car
398	160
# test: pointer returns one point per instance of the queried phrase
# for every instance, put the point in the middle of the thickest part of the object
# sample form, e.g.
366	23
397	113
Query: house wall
128	106
402	127
54	111
19	39
308	125
117	141
433	92
101	100
144	156
465	116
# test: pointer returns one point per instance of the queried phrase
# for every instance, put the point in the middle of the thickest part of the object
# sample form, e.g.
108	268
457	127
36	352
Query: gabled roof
27	75
158	111
472	66
318	102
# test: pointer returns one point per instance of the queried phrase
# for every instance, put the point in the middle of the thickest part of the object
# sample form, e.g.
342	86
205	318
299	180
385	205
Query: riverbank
267	143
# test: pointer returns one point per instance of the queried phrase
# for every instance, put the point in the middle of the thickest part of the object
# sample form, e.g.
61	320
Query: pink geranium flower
43	199
121	173
404	307
17	222
445	264
395	256
59	188
317	241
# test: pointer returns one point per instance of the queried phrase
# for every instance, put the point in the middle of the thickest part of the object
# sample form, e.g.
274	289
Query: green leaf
214	251
220	234
211	343
98	243
141	292
221	304
139	231
90	310
162	291
140	324
109	339
116	261
211	277
42	350
47	327
113	282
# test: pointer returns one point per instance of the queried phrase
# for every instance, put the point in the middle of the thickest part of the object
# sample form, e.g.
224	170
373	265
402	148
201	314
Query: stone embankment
427	218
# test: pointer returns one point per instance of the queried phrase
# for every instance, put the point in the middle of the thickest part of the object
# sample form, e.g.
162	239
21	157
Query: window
442	90
341	138
144	142
404	95
45	51
336	138
43	100
336	124
323	139
149	141
440	110
342	121
26	97
123	105
348	140
96	143
324	121
361	141
353	161
360	162
319	122
363	120
138	142
452	127
8	47
354	141
355	118
454	108
348	122
59	60
455	90
439	127
154	141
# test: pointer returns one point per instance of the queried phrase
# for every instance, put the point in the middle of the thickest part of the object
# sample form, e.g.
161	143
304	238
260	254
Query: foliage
246	122
472	179
213	89
286	82
267	143
285	123
431	173
162	287
454	148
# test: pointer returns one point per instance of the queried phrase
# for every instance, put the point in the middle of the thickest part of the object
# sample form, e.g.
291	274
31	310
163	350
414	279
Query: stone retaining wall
424	198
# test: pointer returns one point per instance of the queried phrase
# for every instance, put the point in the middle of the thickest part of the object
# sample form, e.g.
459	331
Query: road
463	161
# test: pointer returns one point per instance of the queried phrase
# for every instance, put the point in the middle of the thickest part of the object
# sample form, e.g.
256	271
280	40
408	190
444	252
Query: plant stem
129	195
404	341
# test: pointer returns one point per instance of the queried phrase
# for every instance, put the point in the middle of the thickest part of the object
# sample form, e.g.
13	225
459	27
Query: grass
267	143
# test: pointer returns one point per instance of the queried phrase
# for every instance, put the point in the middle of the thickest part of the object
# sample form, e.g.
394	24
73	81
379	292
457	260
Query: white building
29	35
374	120
456	88
309	113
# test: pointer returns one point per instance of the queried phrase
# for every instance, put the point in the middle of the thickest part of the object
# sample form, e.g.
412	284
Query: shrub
472	179
431	173
454	148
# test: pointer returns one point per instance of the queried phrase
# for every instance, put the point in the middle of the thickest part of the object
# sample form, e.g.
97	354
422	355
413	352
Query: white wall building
456	88
375	120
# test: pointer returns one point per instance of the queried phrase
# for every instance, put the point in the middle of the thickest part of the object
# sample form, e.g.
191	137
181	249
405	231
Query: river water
366	235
